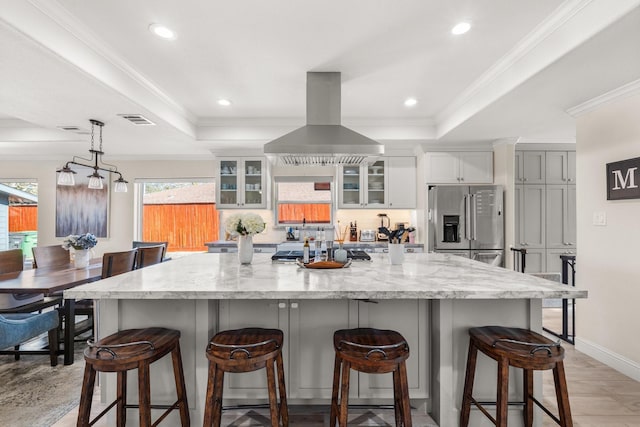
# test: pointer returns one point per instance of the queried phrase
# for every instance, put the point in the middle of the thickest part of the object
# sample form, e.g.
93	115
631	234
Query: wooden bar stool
245	350
520	348
133	349
373	351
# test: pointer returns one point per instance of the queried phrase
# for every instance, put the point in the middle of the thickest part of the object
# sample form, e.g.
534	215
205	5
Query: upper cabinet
561	167
472	167
241	183
530	167
390	182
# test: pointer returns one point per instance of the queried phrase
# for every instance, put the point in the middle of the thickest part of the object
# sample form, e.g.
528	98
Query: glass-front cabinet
363	186
241	183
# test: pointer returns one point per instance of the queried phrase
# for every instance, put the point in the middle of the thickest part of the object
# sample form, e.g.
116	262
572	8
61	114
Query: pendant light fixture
65	176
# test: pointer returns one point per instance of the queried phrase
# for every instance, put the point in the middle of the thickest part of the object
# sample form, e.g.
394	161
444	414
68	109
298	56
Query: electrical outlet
600	218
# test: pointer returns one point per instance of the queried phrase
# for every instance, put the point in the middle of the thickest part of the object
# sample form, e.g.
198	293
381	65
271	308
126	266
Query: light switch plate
600	218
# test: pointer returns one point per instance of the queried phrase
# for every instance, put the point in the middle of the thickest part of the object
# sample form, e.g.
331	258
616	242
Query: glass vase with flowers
244	227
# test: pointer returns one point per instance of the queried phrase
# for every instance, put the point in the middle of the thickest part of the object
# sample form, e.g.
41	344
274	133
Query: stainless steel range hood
323	141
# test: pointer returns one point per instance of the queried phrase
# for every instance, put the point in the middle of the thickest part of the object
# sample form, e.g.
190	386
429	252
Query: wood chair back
11	261
149	255
114	263
50	256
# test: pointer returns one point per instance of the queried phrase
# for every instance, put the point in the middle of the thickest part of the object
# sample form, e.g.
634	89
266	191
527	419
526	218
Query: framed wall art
80	209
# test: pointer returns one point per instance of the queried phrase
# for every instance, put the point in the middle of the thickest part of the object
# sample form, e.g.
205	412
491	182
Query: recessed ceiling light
224	102
461	28
410	102
162	31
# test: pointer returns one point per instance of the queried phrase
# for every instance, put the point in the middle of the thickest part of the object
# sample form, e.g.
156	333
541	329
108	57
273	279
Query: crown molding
623	91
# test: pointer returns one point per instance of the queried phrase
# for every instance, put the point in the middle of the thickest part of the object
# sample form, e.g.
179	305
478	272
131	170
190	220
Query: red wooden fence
185	226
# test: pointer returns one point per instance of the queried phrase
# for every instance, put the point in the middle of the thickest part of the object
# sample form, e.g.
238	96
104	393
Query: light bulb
95	181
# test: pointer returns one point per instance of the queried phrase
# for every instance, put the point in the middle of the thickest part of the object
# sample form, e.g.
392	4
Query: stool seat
372	351
520	348
133	349
246	350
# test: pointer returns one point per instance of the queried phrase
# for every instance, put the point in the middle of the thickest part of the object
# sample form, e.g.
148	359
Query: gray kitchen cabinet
402	188
560	167
535	261
472	167
530	167
363	186
560	216
241	183
530	214
401	316
554	263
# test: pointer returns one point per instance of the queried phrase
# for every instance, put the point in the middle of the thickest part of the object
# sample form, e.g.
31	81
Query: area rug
35	394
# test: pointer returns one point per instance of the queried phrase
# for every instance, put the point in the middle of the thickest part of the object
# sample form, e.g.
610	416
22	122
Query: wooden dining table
51	281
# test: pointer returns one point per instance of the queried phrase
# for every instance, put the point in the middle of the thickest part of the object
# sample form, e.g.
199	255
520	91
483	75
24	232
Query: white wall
121	218
607	262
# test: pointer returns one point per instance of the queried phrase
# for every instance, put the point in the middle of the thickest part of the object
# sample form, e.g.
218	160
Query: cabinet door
476	168
535	261
572	213
518	169
533	167
401	192
556	166
518	199
311	353
375	184
229	181
571	167
441	168
557	216
235	314
350	186
254	191
532	214
409	318
554	263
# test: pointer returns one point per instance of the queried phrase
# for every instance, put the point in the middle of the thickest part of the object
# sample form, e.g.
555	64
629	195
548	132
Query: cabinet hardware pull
294	305
282	305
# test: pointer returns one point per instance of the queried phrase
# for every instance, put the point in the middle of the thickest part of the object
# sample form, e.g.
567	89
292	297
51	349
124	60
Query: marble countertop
349	244
425	275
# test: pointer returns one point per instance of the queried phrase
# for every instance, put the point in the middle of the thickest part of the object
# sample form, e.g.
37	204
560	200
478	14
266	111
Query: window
19	216
298	202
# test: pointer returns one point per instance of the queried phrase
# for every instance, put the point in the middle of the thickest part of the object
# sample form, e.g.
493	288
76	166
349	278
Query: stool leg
503	392
121	397
397	404
344	394
562	395
53	346
217	396
335	392
178	373
284	408
527	390
86	396
144	394
208	403
468	385
271	386
404	396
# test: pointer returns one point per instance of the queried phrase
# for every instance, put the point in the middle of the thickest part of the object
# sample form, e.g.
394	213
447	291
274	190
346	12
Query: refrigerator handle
474	215
467	217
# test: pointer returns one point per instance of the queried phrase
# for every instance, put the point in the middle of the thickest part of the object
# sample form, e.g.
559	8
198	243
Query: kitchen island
432	299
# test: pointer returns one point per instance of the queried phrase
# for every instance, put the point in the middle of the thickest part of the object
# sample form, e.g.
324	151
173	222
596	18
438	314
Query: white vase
81	258
245	249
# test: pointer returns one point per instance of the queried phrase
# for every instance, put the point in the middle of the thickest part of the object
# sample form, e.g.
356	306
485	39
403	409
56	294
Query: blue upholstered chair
20	327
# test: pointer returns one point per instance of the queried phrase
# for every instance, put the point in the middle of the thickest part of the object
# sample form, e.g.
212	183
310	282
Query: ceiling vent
74	129
323	141
137	119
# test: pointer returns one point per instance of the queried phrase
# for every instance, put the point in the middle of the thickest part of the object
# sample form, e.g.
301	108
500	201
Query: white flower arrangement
246	224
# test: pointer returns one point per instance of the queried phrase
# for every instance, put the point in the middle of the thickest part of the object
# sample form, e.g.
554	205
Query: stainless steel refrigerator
467	220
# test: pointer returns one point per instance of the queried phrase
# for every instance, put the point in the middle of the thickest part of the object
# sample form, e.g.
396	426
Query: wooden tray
323	264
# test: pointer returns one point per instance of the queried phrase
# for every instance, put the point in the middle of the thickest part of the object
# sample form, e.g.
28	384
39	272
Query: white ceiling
514	75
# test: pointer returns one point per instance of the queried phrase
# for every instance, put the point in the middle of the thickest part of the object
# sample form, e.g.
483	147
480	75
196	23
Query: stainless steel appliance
467	220
367	235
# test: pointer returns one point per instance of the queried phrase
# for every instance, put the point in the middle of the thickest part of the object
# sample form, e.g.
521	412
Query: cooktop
290	256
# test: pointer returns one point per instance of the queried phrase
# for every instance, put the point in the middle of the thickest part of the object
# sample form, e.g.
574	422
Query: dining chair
114	263
149	255
142	244
11	261
18	328
50	256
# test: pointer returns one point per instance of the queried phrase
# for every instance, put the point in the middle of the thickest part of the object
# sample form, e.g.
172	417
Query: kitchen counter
432	299
222	246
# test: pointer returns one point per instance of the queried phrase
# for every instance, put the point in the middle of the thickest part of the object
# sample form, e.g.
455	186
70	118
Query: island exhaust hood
323	141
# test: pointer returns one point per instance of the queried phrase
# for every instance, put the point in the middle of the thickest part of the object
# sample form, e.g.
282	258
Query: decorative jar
340	254
81	258
245	249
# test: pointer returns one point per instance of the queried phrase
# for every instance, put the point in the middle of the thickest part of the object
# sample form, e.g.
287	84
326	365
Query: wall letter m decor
623	179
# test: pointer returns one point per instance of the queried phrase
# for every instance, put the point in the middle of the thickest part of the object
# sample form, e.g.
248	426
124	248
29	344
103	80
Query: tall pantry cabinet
545	207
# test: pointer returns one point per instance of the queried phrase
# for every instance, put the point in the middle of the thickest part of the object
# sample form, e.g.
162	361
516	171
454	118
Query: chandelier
65	176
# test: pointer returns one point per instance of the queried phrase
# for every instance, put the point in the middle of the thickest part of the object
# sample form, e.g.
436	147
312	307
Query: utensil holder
396	253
